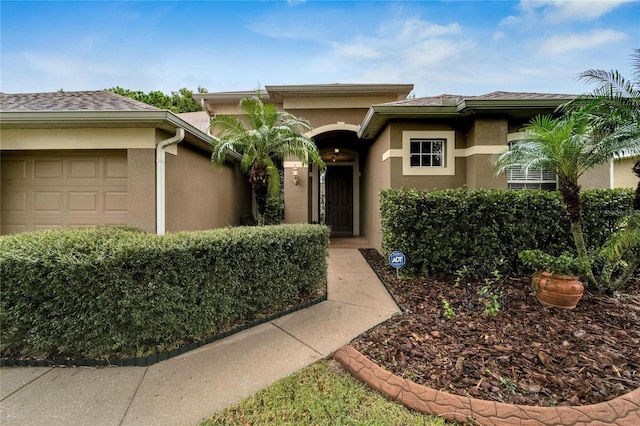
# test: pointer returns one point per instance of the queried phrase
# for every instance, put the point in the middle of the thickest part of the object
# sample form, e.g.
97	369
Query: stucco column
486	138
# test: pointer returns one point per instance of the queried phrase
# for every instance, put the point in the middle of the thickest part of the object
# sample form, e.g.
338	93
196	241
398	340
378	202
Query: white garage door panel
44	191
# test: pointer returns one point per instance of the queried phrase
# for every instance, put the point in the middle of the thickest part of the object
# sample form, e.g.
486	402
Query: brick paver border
622	411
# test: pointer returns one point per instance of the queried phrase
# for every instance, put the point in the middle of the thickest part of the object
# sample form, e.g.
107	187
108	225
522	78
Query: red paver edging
622	411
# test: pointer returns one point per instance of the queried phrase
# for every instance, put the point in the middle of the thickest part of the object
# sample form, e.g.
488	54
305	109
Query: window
533	179
517	178
427	152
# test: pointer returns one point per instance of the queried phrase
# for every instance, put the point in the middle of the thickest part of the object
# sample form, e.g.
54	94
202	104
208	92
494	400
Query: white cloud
561	11
362	49
399	51
413	29
586	41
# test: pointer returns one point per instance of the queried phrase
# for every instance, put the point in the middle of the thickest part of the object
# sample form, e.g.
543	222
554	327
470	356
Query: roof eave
400	91
378	115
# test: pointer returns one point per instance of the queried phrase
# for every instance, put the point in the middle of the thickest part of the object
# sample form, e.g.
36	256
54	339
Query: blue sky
457	47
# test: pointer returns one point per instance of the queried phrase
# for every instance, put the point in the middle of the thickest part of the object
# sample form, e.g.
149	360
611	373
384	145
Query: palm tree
567	146
614	107
262	135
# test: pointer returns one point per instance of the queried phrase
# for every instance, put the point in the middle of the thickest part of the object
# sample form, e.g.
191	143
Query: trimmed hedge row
116	292
441	231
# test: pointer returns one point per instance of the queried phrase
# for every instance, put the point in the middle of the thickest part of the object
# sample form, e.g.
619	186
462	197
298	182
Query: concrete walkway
189	388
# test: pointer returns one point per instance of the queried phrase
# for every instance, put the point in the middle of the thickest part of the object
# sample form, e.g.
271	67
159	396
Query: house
372	137
88	158
82	158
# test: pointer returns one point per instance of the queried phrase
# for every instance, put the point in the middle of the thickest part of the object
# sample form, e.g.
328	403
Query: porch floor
349	242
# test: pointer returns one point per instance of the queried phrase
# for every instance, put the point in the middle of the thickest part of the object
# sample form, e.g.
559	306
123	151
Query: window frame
448	155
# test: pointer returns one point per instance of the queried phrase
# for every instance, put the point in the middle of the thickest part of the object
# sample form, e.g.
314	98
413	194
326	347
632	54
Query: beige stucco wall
480	173
296	206
623	176
322	117
81	138
199	196
141	197
596	178
398	180
488	131
376	175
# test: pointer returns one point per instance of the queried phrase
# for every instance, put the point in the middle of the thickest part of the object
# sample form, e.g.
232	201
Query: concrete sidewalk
189	388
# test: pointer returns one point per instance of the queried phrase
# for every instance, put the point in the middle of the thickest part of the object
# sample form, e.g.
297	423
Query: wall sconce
295	175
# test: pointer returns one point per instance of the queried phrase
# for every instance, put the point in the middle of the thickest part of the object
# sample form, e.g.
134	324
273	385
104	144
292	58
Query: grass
321	394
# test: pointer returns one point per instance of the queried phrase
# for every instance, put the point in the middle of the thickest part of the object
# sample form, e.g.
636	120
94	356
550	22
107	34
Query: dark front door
339	187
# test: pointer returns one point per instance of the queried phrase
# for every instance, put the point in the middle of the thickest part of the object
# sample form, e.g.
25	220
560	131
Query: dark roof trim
451	107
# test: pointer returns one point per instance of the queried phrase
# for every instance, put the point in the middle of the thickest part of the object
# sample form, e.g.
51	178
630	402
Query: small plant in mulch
526	354
448	311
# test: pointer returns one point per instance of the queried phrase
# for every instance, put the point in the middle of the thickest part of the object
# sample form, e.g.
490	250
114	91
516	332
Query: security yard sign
397	261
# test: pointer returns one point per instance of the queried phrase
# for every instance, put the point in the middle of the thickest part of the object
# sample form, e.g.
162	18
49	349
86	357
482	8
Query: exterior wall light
295	175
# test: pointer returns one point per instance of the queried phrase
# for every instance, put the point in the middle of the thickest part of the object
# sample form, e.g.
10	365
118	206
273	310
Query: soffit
379	115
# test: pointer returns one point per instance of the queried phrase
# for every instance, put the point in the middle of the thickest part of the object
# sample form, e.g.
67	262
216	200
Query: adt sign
397	259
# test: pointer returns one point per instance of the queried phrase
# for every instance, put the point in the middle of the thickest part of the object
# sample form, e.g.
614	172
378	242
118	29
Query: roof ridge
128	99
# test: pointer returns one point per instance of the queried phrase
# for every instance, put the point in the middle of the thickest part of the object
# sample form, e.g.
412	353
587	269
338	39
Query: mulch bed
527	354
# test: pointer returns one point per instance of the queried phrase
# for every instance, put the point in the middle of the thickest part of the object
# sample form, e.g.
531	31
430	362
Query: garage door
62	189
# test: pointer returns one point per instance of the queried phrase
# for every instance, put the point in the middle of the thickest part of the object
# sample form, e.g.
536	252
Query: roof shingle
441	100
100	100
199	119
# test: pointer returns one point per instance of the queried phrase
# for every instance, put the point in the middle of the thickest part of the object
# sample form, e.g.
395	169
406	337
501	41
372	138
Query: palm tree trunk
581	247
259	180
636	200
570	193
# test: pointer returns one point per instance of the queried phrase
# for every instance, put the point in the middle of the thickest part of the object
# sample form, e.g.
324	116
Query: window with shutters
518	178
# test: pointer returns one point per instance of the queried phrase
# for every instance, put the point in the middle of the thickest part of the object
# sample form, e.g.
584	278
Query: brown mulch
527	354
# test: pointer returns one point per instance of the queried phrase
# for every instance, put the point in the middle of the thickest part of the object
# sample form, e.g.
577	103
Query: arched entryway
340	186
336	198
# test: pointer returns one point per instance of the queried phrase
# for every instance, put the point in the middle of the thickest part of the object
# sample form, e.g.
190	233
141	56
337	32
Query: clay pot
559	291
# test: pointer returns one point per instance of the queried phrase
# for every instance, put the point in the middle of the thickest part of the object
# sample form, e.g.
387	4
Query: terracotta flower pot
559	291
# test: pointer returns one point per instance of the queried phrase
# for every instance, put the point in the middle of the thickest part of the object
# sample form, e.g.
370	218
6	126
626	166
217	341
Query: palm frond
625	238
609	83
635	63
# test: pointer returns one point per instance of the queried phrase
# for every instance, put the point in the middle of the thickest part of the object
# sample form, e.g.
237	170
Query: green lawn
321	394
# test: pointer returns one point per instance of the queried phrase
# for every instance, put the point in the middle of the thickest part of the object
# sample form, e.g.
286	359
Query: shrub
442	230
112	292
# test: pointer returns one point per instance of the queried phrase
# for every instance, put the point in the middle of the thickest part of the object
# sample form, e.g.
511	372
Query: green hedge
113	292
440	231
